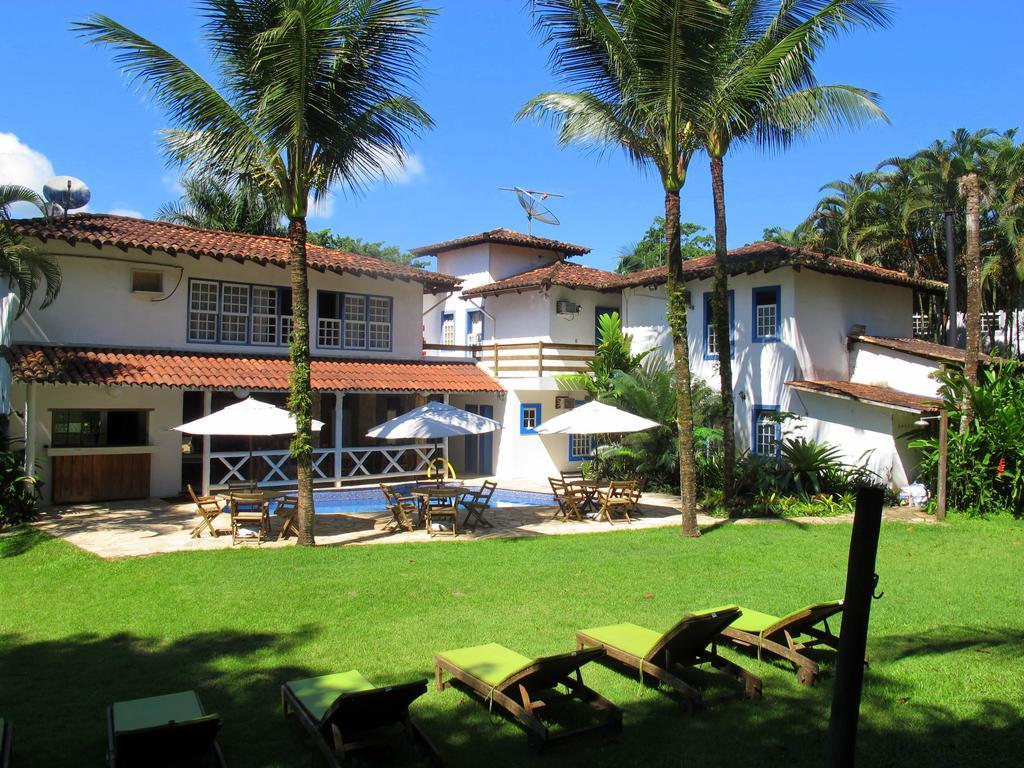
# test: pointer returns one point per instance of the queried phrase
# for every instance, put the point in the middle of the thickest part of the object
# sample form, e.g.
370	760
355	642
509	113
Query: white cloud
322	209
130	212
20	164
172	181
401	168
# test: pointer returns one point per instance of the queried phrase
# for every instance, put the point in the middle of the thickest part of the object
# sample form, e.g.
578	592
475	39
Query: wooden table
268	496
429	495
589	489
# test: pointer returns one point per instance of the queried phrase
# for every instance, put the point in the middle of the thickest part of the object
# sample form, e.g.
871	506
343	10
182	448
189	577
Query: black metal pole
860	585
951	332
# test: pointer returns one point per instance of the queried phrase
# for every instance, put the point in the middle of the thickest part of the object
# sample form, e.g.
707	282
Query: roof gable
560	273
503	236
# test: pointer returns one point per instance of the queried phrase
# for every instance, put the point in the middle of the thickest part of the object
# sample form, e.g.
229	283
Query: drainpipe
951	333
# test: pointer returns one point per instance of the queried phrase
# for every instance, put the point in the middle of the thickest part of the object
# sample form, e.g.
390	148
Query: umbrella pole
252	469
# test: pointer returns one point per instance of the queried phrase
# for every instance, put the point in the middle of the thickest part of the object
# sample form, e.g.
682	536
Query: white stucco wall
96	306
644	317
7	308
532	456
897	370
165	411
866	434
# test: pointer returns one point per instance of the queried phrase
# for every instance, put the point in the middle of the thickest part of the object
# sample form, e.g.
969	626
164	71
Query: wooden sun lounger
788	636
6	736
515	684
169	730
345	712
690	642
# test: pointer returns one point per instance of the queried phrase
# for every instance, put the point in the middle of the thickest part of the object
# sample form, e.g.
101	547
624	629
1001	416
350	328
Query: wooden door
102	477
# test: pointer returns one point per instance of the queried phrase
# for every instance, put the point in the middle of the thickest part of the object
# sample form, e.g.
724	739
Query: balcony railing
524	359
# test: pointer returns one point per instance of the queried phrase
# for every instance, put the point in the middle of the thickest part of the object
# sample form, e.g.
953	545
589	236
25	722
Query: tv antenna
64	193
532	201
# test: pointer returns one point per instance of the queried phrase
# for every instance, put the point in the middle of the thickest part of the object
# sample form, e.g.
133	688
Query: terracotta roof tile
917	347
125	232
766	256
560	273
160	368
867	393
503	237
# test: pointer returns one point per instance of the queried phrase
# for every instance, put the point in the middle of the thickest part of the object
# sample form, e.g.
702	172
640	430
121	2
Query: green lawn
946	683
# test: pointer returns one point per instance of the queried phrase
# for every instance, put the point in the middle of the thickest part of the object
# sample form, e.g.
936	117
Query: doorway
479	458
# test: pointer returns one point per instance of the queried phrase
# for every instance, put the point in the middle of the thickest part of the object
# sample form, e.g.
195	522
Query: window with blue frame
238	313
581	447
474	327
529	418
766	313
710	342
448	328
766	430
353	321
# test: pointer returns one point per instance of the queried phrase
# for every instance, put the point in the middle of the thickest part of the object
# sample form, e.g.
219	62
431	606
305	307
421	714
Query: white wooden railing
523	359
274	468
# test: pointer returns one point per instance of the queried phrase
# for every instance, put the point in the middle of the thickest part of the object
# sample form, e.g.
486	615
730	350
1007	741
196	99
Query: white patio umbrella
434	420
595	418
249	418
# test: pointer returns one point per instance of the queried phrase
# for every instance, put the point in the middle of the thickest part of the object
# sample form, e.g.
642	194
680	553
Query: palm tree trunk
720	317
972	196
300	401
677	302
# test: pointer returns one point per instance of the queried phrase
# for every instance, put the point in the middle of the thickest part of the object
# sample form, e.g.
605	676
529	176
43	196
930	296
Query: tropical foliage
612	358
894	216
376	250
313	95
235	205
22	267
650	251
985	471
19	492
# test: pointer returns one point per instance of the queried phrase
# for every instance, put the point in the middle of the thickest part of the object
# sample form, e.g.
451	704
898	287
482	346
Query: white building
159	324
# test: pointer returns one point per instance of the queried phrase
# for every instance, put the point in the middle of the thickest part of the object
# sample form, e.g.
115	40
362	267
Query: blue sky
942	64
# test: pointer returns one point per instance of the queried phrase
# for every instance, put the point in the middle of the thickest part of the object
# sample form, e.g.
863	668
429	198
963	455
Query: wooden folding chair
248	508
286	510
478	504
570	500
402	508
572	476
616	500
208	511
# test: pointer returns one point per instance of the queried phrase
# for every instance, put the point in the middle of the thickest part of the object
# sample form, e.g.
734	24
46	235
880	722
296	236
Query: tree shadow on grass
56	693
19	540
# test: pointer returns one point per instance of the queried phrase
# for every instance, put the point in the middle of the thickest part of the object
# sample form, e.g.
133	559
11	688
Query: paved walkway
128	529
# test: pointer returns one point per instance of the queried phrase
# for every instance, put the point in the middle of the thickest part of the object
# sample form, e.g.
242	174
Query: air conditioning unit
563	402
566	307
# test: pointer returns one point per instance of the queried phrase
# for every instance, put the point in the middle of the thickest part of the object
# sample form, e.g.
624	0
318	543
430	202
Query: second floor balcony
520	359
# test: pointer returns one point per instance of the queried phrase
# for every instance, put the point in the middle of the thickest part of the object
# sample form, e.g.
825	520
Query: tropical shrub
985	470
19	493
612	358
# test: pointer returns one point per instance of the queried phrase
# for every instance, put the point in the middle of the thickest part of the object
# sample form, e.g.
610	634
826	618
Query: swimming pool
355	501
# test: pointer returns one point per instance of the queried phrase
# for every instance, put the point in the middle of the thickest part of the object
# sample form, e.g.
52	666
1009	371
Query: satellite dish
532	202
66	193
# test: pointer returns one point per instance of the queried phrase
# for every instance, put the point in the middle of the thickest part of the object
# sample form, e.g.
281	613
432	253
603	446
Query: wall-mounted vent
147	281
566	307
563	402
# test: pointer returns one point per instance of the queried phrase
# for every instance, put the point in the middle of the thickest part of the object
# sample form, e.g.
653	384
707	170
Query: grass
946	682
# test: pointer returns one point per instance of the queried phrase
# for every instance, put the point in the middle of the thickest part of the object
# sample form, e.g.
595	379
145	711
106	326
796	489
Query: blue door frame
479	458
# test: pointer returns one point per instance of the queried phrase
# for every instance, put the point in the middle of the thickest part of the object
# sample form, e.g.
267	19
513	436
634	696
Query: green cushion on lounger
756	622
318	693
155	711
491	663
630	638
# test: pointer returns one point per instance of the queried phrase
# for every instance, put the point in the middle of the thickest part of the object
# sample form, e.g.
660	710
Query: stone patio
154	526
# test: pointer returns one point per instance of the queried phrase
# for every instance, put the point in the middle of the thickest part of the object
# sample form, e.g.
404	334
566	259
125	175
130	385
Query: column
339	419
444	440
30	429
207	404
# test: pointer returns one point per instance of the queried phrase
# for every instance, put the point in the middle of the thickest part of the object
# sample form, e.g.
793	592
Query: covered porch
98	423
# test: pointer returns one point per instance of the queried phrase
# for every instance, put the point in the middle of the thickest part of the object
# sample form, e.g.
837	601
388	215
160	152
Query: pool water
357	501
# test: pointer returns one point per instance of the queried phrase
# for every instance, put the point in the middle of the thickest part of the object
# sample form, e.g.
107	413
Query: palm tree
970	188
313	96
22	267
230	205
636	67
763	90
